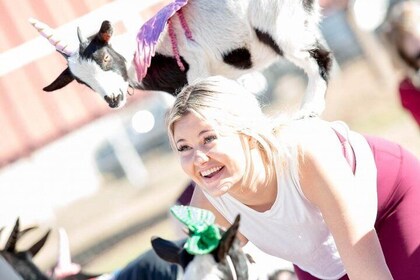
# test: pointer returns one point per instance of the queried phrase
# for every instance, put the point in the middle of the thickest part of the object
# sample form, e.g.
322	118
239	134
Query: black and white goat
218	37
226	261
22	261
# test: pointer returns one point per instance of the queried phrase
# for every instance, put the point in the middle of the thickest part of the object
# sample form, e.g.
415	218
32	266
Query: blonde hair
233	109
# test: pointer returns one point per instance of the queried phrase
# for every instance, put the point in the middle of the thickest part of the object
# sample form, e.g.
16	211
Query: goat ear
61	81
26	230
13	238
80	36
228	239
105	32
166	250
38	246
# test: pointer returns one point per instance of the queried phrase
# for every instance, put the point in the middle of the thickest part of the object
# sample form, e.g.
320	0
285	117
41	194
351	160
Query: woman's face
216	162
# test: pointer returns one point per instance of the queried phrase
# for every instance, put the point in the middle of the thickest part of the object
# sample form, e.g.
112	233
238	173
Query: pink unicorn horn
48	33
65	267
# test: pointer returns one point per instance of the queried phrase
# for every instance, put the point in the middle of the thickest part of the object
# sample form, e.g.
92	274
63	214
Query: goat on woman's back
219	37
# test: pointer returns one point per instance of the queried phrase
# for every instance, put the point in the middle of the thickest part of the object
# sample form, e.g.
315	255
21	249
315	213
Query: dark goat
22	261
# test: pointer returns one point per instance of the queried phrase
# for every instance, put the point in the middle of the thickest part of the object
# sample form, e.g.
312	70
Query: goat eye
107	58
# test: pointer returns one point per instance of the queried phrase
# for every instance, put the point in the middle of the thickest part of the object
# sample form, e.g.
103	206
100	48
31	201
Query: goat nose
113	102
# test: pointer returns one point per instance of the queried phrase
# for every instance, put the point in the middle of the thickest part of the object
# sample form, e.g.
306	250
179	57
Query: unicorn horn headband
49	33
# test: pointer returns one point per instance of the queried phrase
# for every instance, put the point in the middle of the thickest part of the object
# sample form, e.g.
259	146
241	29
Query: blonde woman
335	203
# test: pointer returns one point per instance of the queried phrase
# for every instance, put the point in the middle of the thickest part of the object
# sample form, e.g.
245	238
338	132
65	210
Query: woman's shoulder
311	133
307	128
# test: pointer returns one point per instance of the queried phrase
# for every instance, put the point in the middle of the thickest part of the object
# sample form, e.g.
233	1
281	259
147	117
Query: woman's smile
209	173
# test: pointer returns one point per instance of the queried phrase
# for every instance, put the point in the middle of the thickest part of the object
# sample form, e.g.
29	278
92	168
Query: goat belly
164	75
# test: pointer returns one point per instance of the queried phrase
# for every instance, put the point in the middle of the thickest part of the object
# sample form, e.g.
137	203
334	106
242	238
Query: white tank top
293	229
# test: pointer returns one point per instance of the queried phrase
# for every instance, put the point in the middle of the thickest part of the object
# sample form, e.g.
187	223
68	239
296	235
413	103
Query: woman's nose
200	157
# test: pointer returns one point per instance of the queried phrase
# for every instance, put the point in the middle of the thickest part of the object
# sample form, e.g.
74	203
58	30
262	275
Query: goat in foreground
208	252
218	37
22	261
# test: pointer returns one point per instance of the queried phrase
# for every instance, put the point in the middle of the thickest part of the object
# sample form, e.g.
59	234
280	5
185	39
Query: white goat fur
202	267
205	268
232	26
221	26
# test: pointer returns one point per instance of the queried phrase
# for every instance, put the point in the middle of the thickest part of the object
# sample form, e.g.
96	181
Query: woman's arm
199	200
328	182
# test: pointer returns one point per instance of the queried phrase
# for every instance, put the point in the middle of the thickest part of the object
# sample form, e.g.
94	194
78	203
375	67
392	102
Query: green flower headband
204	235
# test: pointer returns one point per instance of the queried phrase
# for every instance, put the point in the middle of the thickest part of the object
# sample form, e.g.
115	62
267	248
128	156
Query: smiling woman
319	193
210	121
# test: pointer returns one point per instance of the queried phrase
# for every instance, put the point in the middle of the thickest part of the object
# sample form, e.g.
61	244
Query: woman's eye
183	148
209	139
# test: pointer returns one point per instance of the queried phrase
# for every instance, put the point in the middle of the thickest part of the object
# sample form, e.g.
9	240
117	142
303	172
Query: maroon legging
398	219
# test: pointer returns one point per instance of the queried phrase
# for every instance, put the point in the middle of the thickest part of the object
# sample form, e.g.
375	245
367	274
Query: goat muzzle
114	101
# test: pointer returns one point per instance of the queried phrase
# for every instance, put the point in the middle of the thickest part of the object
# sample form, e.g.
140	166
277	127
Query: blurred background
109	176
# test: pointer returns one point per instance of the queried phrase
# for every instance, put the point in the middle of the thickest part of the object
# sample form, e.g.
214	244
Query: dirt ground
116	224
